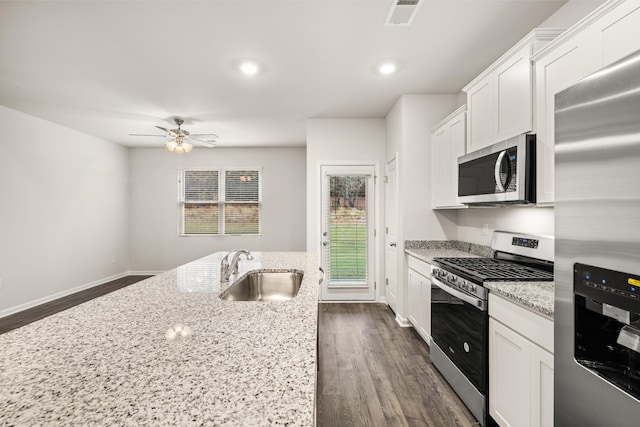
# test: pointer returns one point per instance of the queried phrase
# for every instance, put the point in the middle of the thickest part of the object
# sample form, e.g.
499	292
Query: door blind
347	229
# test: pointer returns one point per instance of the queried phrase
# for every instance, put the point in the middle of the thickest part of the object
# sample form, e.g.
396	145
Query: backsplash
480	250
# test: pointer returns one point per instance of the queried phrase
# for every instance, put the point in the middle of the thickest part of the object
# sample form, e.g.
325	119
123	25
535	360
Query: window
220	201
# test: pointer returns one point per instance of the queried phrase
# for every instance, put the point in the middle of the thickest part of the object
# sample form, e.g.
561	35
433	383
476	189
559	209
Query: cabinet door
480	120
425	302
570	62
440	176
509	376
414	296
541	387
457	145
619	32
513	95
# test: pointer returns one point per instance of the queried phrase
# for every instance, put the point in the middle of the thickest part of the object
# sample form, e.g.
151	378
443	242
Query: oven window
461	331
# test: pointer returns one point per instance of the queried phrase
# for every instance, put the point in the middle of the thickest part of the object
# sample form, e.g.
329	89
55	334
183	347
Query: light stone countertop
536	296
427	250
121	360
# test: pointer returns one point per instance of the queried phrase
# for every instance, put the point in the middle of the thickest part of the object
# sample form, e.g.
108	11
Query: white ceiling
110	68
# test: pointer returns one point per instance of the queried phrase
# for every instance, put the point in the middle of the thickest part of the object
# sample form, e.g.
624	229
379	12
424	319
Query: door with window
347	240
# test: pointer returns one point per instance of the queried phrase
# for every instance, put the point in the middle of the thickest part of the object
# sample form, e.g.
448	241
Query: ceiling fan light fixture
187	147
171	145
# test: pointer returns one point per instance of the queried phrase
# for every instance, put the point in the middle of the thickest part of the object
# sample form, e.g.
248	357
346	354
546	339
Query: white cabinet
555	72
606	35
513	95
419	313
447	144
500	100
480	124
520	365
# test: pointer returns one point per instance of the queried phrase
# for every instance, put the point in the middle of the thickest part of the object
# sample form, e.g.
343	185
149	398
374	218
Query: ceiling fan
180	142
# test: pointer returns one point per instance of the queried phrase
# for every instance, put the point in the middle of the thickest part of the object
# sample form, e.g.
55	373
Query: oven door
460	327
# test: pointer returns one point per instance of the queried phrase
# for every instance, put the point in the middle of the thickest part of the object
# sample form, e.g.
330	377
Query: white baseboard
403	321
382	300
144	273
18	308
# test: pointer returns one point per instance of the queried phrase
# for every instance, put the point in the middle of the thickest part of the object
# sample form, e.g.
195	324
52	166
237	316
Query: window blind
220	201
347	225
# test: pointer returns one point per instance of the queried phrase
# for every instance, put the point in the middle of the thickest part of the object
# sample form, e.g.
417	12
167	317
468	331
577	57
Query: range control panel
525	243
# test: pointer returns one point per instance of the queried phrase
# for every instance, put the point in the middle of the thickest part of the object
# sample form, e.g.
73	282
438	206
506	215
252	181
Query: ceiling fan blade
144	134
209	144
170	132
204	135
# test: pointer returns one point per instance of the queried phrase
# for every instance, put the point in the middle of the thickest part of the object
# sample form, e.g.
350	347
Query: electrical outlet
113	259
485	229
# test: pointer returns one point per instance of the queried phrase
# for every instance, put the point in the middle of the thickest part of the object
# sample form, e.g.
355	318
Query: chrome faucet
227	270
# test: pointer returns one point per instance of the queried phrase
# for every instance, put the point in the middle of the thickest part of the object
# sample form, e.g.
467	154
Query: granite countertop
426	250
169	351
536	296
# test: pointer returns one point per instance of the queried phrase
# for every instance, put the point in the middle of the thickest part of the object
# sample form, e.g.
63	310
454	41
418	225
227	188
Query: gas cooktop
493	270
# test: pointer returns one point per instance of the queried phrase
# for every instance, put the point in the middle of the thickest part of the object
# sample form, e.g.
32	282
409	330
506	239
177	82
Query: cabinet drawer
532	326
419	266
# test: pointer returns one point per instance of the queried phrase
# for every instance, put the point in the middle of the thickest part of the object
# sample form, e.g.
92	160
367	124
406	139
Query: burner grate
491	269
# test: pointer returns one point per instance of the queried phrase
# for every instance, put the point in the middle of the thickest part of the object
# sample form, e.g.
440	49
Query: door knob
393	244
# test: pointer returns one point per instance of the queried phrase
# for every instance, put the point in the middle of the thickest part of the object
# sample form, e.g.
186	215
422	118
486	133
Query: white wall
155	244
63	212
519	219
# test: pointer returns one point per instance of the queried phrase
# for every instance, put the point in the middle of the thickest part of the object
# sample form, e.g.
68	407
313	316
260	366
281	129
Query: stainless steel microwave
502	173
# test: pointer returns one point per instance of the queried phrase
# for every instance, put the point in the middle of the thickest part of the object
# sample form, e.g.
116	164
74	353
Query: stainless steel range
459	309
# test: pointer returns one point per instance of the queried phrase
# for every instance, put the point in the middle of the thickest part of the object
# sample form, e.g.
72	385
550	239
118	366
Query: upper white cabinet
606	35
447	144
500	100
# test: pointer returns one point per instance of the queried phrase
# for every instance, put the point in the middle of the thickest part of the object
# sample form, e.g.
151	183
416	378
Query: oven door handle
476	302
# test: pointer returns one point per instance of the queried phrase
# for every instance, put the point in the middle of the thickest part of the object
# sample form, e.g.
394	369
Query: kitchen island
169	351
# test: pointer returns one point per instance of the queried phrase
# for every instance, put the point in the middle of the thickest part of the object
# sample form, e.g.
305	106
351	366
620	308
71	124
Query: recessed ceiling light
249	68
387	68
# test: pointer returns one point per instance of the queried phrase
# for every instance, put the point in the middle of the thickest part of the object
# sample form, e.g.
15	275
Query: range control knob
472	288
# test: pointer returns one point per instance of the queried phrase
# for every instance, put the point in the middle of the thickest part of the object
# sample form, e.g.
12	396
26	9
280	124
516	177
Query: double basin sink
265	286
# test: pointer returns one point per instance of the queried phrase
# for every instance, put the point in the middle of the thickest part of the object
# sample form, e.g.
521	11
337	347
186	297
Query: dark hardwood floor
372	372
25	317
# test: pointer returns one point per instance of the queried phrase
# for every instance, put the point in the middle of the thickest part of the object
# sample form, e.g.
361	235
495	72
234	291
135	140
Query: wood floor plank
379	374
17	320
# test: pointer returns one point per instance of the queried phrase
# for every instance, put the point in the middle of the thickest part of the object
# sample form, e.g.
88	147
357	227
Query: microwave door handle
496	171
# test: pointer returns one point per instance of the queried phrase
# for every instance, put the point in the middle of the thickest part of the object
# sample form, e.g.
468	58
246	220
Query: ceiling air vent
402	12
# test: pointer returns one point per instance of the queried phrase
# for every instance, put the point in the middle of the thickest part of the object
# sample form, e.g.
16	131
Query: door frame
376	220
385	234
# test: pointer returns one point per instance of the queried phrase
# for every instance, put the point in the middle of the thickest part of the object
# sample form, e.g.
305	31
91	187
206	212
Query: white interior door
347	240
391	234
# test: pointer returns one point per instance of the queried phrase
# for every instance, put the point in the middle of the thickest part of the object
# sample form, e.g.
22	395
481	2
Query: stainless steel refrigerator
597	261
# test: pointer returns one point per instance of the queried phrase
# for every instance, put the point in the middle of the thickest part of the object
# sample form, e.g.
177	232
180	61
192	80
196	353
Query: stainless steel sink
265	286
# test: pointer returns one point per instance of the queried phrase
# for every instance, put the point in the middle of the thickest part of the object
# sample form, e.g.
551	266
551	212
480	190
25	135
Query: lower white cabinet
419	292
520	369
